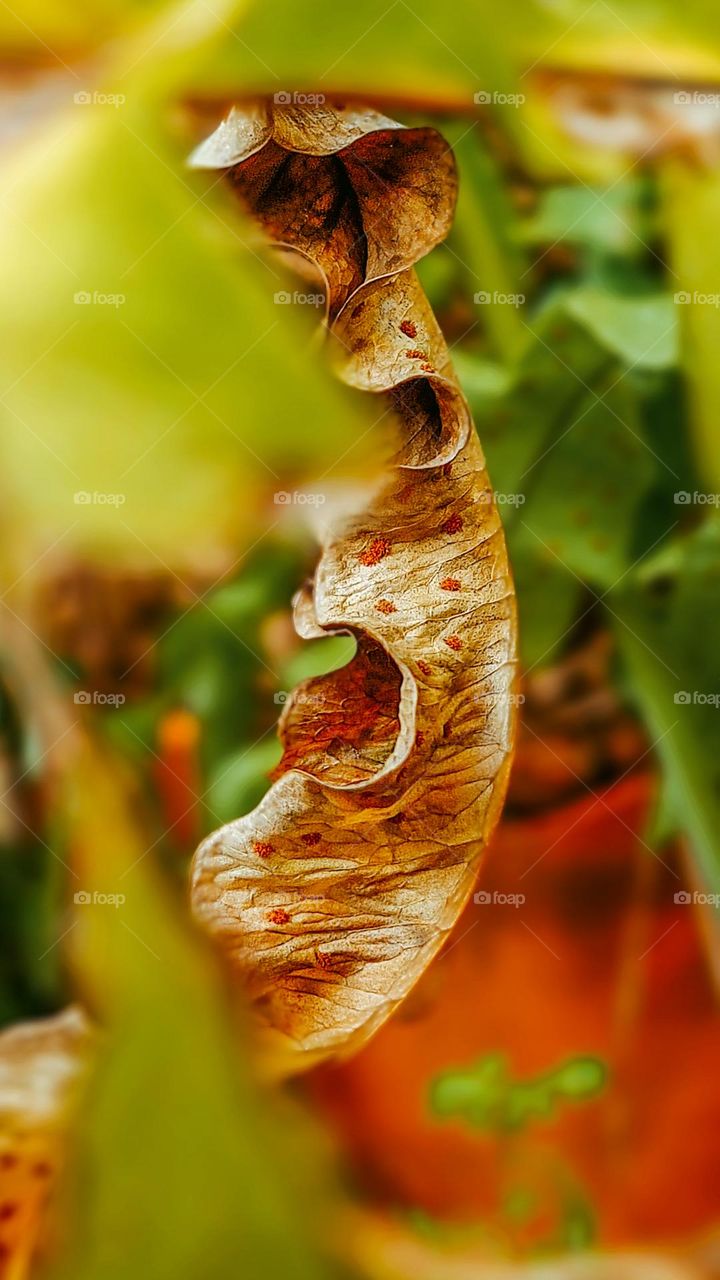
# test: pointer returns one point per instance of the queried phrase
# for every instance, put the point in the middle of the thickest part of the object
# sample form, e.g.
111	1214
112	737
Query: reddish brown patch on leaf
405	493
379	548
324	961
263	848
454	642
453	524
278	915
385	606
345	724
424	667
415	354
450	584
409	329
311	838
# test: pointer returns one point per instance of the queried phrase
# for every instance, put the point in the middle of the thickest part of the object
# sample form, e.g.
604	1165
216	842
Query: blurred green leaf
157	379
573	469
318	658
548	598
240	781
481	239
31	897
580	215
550	385
668	629
393	49
642	331
584	498
180	1172
691	209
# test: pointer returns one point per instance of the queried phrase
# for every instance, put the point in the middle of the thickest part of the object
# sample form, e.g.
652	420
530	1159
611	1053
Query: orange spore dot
263	848
409	329
450	584
385	606
424	667
453	524
413	353
378	549
324	962
453	642
311	837
278	915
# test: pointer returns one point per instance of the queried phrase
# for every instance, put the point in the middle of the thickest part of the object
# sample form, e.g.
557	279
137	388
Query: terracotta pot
599	959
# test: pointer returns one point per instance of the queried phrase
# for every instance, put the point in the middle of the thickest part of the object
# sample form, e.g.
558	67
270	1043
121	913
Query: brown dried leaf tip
41	1066
389	786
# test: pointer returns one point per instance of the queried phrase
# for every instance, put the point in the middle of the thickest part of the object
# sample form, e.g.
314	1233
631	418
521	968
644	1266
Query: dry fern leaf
333	895
41	1065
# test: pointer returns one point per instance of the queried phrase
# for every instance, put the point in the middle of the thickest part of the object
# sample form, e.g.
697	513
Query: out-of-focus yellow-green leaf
692	208
179	1172
423	51
153	395
54	32
482	239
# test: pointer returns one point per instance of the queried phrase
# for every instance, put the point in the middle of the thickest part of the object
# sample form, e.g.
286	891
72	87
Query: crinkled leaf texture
332	896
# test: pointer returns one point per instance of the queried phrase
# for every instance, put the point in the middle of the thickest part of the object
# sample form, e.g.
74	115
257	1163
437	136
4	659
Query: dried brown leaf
332	896
350	189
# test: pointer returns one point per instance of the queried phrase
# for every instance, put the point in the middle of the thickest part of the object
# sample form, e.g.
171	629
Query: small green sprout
487	1097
